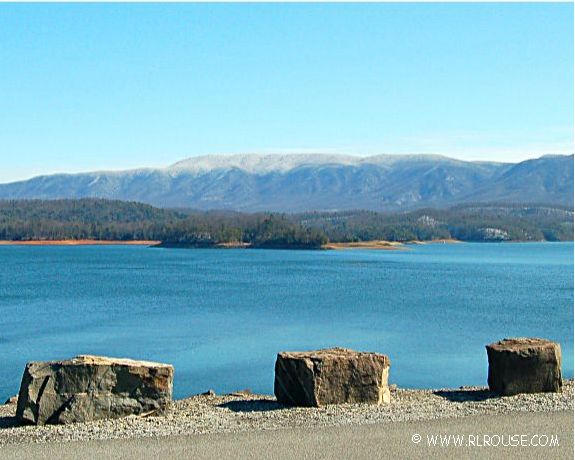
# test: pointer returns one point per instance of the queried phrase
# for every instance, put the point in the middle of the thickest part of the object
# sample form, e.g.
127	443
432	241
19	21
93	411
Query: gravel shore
203	414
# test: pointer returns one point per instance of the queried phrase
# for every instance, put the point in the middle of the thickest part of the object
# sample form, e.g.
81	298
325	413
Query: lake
220	316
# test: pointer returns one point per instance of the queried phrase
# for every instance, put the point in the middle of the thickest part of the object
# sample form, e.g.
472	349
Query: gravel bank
244	412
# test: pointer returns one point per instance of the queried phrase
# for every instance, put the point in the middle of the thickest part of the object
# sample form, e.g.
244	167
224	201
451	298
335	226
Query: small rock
245	392
12	400
209	393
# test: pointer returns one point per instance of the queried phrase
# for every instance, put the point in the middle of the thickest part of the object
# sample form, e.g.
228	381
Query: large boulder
331	376
91	388
524	365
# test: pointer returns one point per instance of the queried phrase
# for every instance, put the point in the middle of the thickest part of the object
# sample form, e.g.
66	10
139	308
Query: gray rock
524	365
331	376
91	388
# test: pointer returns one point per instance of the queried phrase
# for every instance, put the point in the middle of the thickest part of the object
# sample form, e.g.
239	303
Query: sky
115	86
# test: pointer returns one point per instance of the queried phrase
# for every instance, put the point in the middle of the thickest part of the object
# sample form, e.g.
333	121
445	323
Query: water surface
220	316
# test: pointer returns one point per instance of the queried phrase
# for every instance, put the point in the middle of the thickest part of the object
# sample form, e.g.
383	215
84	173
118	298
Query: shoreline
372	244
387	245
375	244
78	243
244	412
438	241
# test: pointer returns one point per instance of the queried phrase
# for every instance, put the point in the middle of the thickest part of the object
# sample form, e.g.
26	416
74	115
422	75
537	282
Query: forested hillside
117	220
83	219
466	223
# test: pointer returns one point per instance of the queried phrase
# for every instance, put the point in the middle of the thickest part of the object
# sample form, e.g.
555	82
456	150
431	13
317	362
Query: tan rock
12	400
524	365
91	388
331	376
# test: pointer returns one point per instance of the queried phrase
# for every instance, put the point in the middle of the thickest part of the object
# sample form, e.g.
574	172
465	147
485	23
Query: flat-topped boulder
524	365
331	376
92	387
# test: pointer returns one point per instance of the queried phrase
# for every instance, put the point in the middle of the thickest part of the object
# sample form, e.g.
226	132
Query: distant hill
473	222
99	219
87	218
298	183
548	179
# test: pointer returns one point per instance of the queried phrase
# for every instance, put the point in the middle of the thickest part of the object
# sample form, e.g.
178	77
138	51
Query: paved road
386	440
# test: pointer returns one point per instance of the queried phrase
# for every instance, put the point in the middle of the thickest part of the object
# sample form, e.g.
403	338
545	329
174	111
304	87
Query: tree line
128	221
473	222
100	219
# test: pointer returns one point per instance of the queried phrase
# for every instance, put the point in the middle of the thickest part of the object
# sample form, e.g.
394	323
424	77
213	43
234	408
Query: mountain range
305	182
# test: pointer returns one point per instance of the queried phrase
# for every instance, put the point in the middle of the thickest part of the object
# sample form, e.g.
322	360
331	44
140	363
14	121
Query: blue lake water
220	316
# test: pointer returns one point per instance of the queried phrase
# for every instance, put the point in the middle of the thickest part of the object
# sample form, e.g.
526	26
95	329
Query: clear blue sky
109	86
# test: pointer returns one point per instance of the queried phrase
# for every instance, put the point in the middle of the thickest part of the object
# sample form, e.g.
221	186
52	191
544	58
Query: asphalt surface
477	436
